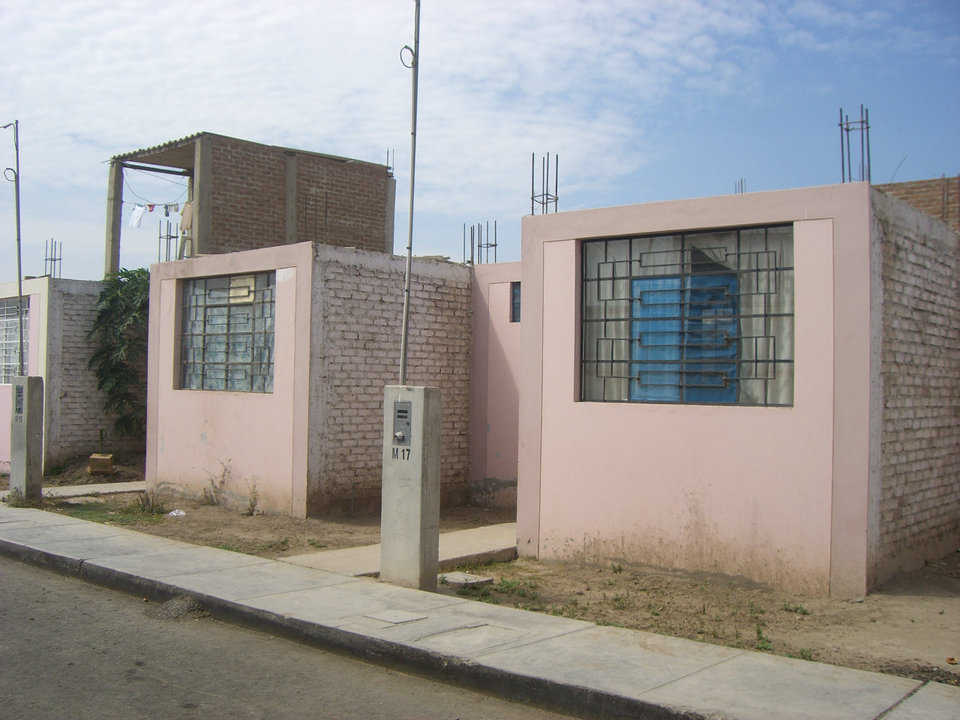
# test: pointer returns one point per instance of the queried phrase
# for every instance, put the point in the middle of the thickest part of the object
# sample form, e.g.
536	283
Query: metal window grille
228	333
698	318
10	338
515	302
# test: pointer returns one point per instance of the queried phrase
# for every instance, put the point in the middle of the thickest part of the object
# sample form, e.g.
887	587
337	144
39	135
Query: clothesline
140	209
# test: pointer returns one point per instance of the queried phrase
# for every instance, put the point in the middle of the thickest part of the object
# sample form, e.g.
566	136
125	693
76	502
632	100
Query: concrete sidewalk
491	543
564	664
67	491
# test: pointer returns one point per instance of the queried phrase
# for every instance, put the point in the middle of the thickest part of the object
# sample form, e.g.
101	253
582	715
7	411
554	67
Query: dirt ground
909	627
273	536
128	468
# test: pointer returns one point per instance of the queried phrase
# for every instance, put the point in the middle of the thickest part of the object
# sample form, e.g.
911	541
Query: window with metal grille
227	333
10	338
515	302
698	317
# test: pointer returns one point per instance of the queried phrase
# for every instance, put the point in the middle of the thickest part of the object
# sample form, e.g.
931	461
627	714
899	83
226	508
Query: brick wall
920	375
341	203
74	410
356	317
337	201
939	197
247	195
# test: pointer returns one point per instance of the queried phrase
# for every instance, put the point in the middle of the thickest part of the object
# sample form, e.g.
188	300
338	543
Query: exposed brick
938	197
357	313
920	368
338	201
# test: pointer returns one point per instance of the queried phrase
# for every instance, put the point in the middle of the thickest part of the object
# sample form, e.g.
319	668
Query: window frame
684	271
515	301
244	306
11	337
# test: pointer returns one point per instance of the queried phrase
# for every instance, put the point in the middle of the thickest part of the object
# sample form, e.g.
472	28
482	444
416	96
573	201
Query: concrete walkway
67	491
491	543
570	665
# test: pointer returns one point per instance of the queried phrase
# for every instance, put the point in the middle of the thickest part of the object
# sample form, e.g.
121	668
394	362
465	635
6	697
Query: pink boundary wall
240	439
781	495
36	318
495	387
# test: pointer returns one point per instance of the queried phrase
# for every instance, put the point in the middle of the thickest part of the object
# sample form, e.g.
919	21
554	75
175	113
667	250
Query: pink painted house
763	384
266	371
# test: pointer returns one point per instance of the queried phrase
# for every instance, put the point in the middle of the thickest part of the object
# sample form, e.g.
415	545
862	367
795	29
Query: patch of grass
108	513
313	542
803	654
255	548
149	503
621	602
617	568
763	642
798	609
253	499
526	589
15	498
477	592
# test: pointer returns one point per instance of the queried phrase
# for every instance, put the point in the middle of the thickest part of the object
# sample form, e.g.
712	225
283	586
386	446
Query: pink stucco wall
35	339
777	494
240	439
496	356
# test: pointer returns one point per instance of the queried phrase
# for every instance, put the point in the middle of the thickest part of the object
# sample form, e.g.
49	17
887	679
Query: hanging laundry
137	215
170	208
186	219
151	207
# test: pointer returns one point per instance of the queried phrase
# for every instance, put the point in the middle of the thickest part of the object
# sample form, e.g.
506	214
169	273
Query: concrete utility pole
16	191
410	494
415	66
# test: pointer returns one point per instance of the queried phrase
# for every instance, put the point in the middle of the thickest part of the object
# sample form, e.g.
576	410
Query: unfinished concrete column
290	197
111	262
389	213
202	196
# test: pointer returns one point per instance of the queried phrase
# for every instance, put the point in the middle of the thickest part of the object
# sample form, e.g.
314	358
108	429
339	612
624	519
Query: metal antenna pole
16	192
843	169
415	66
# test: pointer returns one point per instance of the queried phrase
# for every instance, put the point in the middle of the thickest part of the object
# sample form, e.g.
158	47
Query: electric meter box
26	438
410	508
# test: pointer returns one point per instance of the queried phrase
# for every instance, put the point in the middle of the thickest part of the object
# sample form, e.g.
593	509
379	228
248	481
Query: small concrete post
26	439
410	514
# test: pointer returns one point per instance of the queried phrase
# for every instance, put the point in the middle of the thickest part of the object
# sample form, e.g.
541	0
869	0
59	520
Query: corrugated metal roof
179	153
157	149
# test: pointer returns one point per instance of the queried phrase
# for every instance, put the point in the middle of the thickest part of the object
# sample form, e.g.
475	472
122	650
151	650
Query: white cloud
499	79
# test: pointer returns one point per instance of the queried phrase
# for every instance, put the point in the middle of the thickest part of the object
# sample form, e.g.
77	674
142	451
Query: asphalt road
70	650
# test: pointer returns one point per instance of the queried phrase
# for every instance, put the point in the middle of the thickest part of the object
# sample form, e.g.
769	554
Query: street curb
555	696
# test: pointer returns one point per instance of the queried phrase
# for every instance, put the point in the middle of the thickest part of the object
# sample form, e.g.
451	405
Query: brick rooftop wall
357	309
341	203
247	196
338	202
938	197
920	370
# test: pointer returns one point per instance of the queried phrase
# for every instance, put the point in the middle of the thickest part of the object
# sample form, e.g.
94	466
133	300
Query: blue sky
642	100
